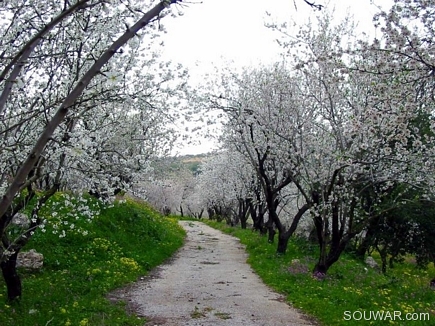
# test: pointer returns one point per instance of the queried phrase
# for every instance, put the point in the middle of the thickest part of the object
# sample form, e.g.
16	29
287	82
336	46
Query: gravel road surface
208	282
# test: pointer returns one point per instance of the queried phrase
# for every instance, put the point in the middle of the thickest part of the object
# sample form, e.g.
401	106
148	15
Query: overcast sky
214	32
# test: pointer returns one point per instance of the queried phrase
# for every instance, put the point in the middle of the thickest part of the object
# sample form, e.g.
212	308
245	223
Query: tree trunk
320	268
211	213
325	262
11	277
322	265
368	238
364	246
271	235
283	239
383	253
329	257
257	218
243	212
271	231
384	264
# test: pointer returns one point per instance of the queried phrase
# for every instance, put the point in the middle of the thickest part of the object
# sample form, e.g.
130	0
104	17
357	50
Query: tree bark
243	212
257	217
11	277
367	241
283	239
271	233
329	257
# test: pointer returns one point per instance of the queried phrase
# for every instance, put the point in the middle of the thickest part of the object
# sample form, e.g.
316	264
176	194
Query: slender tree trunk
11	277
263	228
244	213
283	239
271	234
321	268
210	213
326	260
384	263
329	257
383	253
270	231
243	224
322	226
367	241
257	217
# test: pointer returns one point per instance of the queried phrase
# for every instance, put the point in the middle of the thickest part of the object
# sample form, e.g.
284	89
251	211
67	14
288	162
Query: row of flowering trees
84	104
340	133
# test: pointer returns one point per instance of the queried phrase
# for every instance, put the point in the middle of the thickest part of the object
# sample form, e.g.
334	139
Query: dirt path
208	283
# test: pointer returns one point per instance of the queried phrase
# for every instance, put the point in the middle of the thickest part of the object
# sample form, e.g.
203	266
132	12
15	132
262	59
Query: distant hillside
192	158
193	162
174	164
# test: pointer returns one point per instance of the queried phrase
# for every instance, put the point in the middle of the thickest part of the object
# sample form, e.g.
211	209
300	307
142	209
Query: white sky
214	32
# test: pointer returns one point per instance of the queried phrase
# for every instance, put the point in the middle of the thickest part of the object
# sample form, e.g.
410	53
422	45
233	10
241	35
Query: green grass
349	286
122	243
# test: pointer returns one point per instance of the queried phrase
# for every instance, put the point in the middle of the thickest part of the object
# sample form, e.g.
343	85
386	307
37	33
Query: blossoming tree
343	120
75	104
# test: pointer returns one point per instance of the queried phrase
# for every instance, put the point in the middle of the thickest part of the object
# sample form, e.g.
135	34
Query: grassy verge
94	257
348	291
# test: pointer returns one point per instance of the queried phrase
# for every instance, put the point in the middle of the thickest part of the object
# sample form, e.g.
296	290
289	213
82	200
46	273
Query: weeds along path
208	282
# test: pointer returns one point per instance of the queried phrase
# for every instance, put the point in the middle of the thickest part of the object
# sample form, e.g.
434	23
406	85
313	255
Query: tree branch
21	57
68	102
